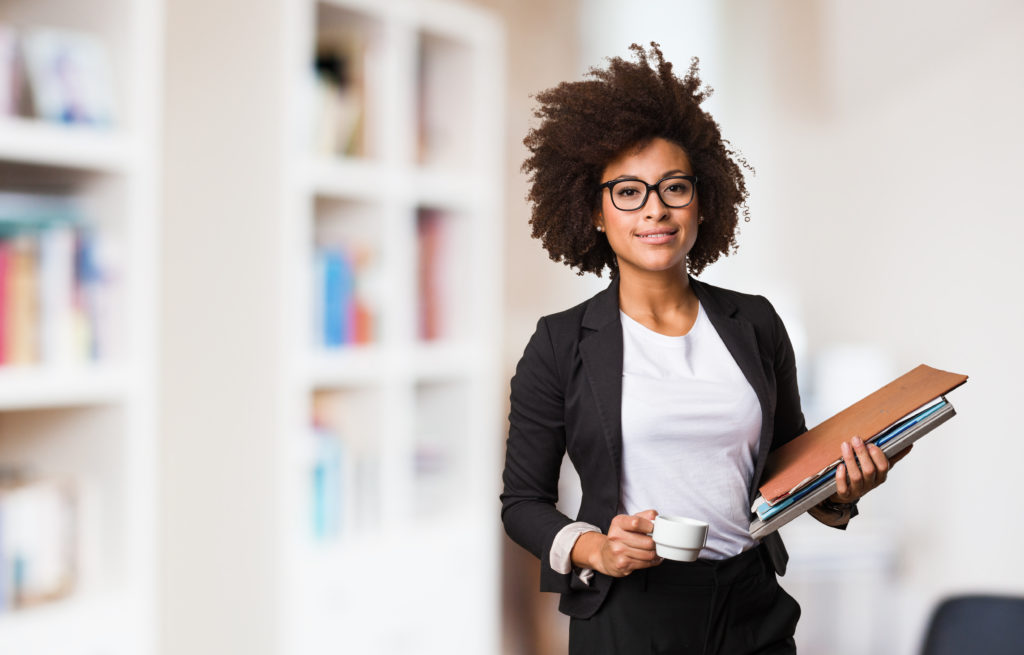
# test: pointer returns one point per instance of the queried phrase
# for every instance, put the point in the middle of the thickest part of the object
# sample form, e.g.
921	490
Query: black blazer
567	397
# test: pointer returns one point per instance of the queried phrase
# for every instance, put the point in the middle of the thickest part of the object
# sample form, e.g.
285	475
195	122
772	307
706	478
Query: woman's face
654	237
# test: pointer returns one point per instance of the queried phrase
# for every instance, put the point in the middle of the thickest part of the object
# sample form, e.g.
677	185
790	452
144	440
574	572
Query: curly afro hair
585	125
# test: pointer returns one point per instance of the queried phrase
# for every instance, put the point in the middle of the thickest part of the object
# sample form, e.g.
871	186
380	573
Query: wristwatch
839	508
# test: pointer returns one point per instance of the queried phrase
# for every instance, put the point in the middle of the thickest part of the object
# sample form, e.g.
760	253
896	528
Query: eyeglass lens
629	195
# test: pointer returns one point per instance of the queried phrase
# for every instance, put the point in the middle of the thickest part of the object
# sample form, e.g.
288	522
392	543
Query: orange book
812	452
21	315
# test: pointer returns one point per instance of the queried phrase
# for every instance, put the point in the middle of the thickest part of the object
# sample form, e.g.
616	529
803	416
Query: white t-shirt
690	429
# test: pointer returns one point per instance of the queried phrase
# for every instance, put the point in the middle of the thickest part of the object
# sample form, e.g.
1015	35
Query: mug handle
655	522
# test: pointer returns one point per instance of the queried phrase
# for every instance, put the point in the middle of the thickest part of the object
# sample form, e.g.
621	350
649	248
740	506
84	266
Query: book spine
327	484
346	298
328	275
88	284
429	233
5	258
23	292
343	296
338	95
56	292
104	290
37	543
336	298
8	71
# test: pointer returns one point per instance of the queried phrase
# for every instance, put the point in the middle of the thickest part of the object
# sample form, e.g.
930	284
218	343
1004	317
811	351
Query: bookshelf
78	417
390	454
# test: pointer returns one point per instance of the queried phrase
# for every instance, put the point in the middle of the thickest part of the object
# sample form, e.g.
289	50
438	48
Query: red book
430	241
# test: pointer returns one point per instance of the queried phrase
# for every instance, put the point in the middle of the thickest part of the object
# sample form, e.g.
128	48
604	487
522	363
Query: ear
598	221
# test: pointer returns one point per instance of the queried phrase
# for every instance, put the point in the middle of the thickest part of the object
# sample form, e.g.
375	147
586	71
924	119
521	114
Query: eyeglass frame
647	194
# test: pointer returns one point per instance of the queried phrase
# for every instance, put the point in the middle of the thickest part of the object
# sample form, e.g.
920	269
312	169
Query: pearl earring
600	229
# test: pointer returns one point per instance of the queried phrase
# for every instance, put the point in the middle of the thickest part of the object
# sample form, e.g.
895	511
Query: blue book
346	296
331	270
326	484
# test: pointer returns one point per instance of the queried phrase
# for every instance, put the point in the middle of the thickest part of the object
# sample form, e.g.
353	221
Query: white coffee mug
679	538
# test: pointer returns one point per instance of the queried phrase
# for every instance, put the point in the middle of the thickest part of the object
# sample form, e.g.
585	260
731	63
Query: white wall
543	51
887	212
682	29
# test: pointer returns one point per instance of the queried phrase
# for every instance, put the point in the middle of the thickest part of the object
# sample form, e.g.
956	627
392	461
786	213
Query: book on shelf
444	118
430	234
343	302
343	467
435	465
11	72
38	540
801	473
339	97
69	76
21	300
328	476
56	283
439	282
440	433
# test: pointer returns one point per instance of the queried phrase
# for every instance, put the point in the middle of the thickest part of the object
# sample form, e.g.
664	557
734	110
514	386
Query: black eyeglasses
675	191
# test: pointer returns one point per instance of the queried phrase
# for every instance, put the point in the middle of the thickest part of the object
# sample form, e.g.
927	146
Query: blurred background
265	273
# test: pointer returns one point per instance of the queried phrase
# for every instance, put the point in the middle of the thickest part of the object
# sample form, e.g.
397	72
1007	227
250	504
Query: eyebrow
674	171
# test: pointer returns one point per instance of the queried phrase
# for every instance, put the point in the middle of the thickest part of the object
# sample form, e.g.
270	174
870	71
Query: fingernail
857	441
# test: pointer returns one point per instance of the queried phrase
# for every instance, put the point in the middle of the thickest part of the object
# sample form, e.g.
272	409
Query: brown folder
815	450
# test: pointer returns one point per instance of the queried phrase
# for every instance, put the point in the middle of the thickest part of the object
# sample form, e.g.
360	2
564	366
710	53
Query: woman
667	393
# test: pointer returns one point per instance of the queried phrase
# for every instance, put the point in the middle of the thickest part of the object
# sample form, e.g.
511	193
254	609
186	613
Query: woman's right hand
623	550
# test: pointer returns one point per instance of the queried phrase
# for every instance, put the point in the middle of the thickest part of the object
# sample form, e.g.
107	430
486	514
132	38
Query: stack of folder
802	473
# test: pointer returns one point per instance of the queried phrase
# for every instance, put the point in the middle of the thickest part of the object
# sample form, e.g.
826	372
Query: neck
661	293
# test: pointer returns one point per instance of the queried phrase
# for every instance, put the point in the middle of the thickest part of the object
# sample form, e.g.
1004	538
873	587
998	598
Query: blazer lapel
739	337
601	353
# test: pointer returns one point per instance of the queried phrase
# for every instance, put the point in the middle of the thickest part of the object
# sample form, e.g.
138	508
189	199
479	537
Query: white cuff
586	575
560	557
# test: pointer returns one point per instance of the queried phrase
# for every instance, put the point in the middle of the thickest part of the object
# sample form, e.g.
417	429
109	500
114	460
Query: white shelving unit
416	410
93	424
30	141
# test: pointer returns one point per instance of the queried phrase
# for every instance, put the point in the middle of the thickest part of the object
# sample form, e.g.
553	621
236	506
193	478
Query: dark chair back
976	625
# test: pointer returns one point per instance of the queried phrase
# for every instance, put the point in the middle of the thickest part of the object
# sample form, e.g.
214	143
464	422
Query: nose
654	207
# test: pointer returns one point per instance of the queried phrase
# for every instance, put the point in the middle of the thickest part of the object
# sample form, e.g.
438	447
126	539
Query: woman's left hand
864	467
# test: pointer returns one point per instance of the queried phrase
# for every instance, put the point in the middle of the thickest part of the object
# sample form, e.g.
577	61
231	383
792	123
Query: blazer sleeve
789	417
533	456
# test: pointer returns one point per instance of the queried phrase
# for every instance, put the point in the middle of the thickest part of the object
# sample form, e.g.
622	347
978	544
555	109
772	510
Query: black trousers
728	607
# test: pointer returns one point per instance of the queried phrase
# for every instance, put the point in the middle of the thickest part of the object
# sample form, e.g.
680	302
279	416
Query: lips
658	236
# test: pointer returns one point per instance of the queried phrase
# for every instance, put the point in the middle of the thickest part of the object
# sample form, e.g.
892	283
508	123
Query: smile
658	237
